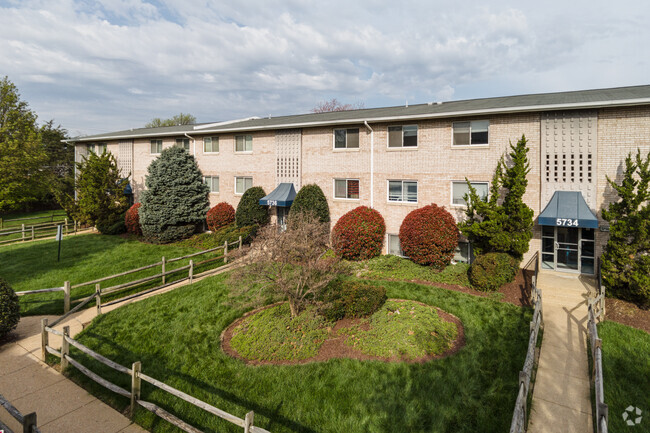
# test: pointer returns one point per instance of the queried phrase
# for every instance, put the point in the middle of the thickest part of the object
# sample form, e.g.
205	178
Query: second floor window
459	189
243	143
474	133
403	136
156	147
97	148
210	144
184	143
346	138
403	191
346	188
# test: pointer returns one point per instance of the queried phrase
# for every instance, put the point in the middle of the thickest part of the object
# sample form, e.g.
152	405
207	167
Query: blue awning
568	208
127	189
281	196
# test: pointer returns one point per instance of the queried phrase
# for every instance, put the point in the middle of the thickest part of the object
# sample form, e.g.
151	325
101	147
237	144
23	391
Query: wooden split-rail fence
519	422
163	275
596	313
38	231
137	377
27	422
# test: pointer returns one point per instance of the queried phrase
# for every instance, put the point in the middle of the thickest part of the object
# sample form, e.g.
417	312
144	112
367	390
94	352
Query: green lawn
626	373
176	336
44	216
86	257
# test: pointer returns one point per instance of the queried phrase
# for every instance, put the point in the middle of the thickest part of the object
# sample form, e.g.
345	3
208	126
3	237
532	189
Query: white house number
566	222
273	202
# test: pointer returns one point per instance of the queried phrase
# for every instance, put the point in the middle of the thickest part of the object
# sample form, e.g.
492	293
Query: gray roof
583	99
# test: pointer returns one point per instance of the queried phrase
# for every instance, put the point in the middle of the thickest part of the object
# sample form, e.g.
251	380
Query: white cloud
115	64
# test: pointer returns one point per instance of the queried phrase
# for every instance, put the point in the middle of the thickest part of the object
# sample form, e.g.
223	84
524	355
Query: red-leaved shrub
220	216
359	234
132	220
429	235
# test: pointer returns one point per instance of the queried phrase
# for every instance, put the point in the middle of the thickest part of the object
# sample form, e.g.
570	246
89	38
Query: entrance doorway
568	249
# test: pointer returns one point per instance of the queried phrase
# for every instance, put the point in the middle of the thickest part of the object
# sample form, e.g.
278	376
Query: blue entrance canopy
281	196
568	208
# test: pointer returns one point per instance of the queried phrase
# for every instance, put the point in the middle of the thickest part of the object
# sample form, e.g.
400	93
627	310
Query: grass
176	337
272	335
403	329
44	216
87	257
626	373
389	267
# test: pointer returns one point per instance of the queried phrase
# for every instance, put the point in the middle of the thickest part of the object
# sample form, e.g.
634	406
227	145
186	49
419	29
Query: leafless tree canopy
293	264
335	105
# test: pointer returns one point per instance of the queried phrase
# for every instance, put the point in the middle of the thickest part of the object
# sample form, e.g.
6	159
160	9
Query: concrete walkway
562	397
60	405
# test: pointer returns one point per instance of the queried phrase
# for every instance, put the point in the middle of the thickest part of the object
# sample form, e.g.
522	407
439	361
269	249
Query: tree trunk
293	308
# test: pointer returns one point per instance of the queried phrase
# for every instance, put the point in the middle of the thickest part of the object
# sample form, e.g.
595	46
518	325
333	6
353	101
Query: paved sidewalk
562	396
60	405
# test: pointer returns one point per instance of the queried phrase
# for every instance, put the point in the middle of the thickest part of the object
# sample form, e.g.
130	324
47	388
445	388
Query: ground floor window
346	188
460	189
213	183
403	191
394	246
242	184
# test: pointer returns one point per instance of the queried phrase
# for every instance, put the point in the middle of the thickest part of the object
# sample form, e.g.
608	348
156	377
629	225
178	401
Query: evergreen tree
249	210
625	264
100	191
175	202
502	225
311	198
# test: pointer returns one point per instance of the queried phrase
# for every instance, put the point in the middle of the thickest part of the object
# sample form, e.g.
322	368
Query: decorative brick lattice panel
288	161
125	157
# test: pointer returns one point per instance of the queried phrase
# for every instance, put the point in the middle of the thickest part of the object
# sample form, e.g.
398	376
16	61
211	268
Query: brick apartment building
396	159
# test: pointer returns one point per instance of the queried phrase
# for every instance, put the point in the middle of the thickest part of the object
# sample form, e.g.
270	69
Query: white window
156	147
346	138
212	182
97	148
394	246
463	252
474	133
243	143
184	143
242	184
403	191
403	136
460	189
210	144
346	188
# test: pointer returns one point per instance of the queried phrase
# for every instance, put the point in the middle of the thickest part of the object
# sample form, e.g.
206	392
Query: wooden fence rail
137	376
518	424
595	313
38	231
51	217
28	422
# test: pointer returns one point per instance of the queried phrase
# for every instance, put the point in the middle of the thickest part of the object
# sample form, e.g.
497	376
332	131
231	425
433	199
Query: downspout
372	164
193	144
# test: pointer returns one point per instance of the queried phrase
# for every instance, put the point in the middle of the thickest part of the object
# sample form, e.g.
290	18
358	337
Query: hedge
359	234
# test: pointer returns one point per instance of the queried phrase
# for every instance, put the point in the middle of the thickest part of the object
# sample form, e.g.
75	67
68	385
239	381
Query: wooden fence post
191	270
240	242
75	226
23	231
135	386
225	252
163	270
248	422
32	232
1	224
44	339
65	348
66	226
66	296
98	299
29	422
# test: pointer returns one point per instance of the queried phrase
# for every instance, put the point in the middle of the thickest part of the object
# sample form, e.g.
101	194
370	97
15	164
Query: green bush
351	299
311	198
111	227
230	233
9	308
250	211
490	271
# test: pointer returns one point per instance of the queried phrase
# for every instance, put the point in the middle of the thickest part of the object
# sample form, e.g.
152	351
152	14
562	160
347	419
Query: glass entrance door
568	249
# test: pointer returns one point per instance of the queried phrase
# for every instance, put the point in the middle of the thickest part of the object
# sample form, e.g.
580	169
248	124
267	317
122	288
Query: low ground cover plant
490	271
9	309
359	234
220	216
429	236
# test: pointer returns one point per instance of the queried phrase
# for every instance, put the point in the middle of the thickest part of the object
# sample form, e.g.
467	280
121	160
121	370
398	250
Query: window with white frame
184	143
463	252
242	184
346	138
243	143
212	182
156	147
394	246
460	189
474	133
346	188
405	191
403	136
97	148
210	144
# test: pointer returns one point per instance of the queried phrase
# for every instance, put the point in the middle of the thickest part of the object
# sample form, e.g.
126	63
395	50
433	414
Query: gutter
372	164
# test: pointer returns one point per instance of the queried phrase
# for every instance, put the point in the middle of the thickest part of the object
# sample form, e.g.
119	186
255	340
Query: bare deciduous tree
293	264
334	105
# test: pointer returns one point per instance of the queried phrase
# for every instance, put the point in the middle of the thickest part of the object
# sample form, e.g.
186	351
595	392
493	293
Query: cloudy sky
98	66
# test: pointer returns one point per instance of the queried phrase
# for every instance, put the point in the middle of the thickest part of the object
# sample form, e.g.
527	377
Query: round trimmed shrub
359	234
250	211
9	308
490	271
351	299
132	220
429	236
220	216
311	198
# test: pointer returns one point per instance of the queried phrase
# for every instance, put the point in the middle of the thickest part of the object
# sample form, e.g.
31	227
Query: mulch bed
335	347
627	313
